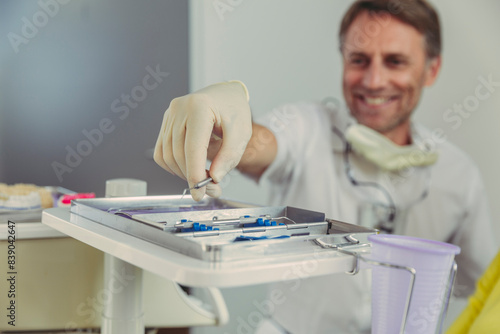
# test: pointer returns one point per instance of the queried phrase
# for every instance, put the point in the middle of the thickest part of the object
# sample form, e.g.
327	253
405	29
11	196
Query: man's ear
432	70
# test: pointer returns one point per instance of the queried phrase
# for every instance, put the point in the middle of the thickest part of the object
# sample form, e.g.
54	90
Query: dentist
371	165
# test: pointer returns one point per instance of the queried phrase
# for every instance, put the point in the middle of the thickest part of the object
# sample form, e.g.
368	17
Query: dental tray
220	230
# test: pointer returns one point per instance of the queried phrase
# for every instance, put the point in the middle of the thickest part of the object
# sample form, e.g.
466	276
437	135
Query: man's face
385	69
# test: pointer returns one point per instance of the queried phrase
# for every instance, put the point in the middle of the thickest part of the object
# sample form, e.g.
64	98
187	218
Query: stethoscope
387	219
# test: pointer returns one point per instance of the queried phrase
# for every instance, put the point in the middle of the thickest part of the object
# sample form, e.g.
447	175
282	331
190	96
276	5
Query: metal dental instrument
198	185
202	183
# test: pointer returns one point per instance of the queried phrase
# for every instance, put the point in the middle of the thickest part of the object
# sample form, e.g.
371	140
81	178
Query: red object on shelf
66	199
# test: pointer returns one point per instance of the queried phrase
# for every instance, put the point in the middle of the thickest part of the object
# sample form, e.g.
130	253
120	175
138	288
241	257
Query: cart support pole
122	296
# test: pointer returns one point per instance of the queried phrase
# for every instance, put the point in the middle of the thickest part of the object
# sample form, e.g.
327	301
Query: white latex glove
217	111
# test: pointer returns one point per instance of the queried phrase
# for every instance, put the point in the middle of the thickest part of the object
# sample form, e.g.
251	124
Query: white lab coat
309	172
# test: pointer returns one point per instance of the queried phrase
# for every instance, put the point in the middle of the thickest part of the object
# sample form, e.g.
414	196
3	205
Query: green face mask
384	153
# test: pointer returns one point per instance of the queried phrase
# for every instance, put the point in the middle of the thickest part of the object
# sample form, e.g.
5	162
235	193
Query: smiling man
371	166
383	78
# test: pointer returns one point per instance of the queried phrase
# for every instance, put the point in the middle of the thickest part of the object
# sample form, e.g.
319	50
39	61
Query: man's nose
375	76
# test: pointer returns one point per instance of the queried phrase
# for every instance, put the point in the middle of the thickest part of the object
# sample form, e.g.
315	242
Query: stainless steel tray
219	229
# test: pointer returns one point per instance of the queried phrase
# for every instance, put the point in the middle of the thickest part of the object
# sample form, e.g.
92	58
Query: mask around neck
381	151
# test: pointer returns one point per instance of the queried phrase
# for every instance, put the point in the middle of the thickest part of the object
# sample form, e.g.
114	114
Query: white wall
471	50
286	51
283	51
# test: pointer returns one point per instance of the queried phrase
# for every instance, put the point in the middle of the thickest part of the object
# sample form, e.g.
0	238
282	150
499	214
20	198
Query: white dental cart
167	244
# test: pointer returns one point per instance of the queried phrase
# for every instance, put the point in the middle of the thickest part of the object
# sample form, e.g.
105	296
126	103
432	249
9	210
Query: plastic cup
432	260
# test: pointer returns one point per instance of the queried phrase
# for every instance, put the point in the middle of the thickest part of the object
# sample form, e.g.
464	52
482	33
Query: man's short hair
417	13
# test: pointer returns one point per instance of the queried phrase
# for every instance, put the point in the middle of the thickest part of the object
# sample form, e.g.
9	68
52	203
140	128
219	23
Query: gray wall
67	68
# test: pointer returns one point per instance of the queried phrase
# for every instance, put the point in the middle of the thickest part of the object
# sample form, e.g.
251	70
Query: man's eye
396	62
358	61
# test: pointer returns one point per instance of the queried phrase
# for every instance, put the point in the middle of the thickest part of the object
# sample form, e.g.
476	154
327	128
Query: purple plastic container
432	261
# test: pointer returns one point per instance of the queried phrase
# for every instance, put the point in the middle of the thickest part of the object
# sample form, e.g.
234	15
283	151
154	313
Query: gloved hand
217	116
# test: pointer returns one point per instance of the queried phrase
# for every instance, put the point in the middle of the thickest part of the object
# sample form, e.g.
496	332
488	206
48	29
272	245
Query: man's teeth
376	100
